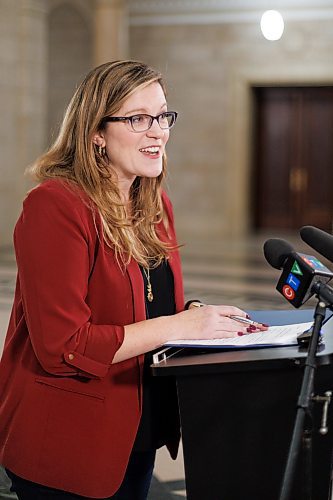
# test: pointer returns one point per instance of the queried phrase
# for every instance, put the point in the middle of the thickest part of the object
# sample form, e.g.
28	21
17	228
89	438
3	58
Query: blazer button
70	357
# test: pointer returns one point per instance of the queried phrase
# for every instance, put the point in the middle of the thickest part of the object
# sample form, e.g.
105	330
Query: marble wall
211	53
211	61
23	59
46	48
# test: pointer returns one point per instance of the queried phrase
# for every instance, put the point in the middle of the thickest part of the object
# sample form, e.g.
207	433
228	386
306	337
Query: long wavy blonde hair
74	157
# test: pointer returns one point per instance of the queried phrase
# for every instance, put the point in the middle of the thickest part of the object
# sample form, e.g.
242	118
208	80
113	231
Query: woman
99	285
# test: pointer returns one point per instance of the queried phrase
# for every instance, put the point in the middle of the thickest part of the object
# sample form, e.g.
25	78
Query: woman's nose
155	130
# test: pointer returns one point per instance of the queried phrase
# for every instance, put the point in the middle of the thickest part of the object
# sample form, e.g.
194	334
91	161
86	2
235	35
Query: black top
160	419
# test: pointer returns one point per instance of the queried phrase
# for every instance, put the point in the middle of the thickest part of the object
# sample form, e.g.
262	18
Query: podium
237	410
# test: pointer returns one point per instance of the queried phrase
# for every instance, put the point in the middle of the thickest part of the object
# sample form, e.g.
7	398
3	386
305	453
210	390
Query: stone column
23	84
111	30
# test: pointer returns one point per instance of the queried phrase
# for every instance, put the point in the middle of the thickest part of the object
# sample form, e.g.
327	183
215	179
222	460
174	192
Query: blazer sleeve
53	243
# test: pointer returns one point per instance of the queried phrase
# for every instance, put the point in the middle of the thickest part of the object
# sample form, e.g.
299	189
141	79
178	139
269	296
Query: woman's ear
98	139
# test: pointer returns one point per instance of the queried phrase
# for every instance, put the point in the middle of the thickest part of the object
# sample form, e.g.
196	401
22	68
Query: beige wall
210	69
211	53
69	57
22	101
46	47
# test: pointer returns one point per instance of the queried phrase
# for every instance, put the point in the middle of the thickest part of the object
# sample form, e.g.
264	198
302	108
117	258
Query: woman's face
130	153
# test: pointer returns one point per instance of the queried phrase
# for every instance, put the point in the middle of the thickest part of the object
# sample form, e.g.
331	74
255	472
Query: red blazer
68	417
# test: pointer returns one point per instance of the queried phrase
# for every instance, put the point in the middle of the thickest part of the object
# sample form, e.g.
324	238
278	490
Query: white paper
274	336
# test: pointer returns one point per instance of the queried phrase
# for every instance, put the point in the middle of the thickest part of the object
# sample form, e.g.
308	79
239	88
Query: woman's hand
207	321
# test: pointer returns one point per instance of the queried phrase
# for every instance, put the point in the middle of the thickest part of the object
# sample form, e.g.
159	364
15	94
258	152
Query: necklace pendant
150	295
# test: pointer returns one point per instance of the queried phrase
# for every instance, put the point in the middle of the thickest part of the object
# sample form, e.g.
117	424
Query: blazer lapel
136	280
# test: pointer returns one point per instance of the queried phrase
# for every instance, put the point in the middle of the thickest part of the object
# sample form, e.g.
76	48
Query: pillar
111	31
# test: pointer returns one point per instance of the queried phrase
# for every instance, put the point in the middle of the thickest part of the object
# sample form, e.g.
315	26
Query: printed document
275	336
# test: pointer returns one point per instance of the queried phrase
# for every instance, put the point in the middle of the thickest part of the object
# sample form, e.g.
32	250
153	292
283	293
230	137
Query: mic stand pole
303	402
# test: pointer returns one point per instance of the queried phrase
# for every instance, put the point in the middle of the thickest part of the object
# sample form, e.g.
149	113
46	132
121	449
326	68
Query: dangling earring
101	150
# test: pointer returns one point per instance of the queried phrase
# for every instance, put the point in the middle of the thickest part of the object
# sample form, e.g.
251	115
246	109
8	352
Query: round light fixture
272	25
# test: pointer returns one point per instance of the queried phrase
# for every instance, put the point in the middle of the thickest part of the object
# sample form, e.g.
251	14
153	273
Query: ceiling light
272	25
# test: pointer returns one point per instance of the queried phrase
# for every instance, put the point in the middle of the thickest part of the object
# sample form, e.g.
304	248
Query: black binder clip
304	338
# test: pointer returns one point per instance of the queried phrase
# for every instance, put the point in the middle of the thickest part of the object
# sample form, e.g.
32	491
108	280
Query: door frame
241	211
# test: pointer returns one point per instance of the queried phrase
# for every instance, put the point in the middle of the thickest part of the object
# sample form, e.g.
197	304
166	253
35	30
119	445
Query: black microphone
302	275
276	252
319	240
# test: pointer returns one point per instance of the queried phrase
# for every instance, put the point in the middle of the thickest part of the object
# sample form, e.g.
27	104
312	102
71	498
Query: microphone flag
300	273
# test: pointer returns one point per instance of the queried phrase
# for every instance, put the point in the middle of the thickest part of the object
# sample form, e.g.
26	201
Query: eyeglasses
141	123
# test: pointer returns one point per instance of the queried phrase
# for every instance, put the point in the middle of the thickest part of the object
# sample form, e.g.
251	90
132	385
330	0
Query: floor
234	273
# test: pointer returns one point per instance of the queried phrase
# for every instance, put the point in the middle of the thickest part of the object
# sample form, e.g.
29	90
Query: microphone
319	240
302	275
276	252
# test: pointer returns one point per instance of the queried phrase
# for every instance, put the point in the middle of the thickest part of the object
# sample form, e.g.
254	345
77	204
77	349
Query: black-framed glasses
143	122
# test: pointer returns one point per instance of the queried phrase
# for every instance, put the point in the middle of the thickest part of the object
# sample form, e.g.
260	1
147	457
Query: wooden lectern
237	410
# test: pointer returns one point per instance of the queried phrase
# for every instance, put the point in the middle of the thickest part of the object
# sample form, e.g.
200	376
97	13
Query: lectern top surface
191	361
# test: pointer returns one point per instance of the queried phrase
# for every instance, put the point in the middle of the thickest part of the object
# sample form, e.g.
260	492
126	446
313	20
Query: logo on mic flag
313	262
296	269
293	282
288	292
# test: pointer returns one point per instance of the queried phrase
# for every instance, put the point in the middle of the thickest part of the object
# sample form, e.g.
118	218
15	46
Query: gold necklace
150	295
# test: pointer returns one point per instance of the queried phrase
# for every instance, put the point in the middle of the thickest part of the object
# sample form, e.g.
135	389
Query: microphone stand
303	404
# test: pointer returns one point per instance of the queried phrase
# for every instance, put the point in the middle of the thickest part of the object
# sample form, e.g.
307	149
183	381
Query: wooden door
293	161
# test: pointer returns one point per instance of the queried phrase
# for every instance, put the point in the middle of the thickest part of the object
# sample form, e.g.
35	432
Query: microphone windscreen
276	252
318	239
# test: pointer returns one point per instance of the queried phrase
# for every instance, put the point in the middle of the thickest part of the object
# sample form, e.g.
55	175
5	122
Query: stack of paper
274	336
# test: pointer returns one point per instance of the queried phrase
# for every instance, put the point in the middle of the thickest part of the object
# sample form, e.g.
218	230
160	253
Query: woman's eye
138	118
